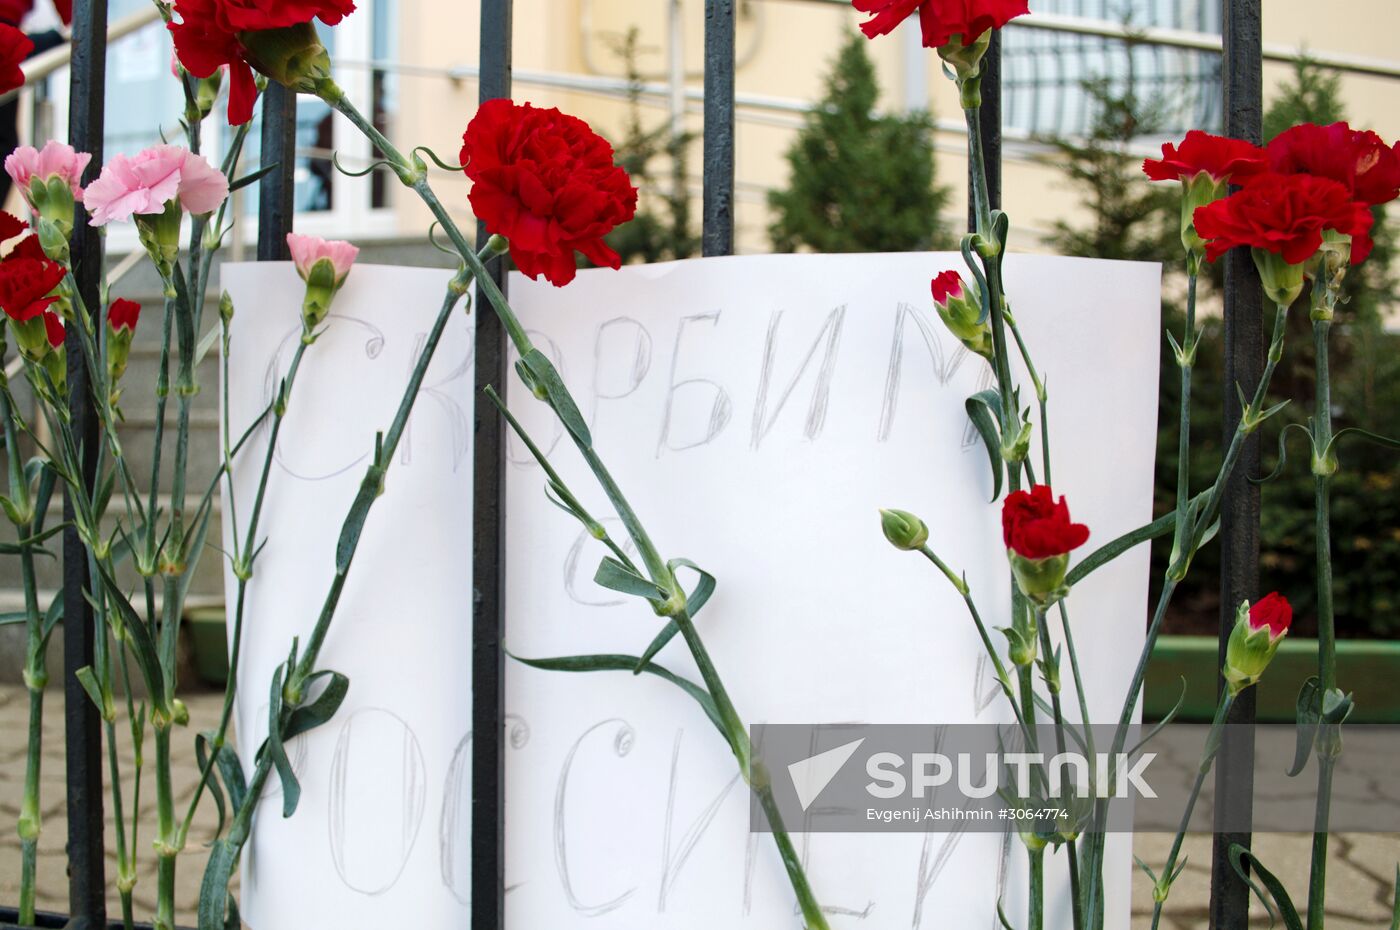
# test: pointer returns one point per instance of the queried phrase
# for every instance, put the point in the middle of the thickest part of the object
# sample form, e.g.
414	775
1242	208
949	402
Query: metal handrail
1187	39
41	66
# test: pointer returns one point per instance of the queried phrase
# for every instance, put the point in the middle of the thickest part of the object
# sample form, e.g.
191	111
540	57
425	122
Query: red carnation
1285	214
25	284
15	47
947	284
1220	157
1271	612
28	247
53	329
1035	526
255	15
1359	160
545	181
11	226
123	313
210	34
203	46
940	20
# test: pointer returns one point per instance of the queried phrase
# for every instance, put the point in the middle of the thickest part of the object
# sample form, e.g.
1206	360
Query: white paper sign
757	411
382	835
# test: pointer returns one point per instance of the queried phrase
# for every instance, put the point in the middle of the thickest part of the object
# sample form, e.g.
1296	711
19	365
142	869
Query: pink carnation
26	163
144	183
308	250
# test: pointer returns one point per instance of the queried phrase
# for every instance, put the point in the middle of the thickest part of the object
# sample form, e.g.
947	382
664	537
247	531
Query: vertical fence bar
717	233
1239	515
275	192
87	885
991	129
488	555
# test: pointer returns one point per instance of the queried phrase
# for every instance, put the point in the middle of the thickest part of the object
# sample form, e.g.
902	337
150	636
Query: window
144	103
1044	72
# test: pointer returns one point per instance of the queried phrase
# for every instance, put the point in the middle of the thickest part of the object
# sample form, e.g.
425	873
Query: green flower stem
374	480
243	568
1041	395
991	258
166	851
414	174
35	673
1185	361
959	583
812	914
1250	419
371	487
1164	883
1052	681
1329	743
146	565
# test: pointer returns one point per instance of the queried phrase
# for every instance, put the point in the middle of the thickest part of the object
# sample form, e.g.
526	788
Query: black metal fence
1243	92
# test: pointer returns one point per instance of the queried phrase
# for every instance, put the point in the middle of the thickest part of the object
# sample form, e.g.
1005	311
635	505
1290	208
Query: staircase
137	434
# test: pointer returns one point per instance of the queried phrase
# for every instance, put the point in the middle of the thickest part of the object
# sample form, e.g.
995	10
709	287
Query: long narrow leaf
310	716
615	576
546	377
291	788
213	890
1309	713
1244	862
984	410
626	663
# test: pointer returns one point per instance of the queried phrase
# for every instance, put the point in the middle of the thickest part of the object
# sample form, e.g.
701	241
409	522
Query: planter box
43	921
1367	668
208	637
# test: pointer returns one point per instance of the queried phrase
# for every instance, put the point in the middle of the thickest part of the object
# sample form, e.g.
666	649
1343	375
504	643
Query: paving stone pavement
1361	870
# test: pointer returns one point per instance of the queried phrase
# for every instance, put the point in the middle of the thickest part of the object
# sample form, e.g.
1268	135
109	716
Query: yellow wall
786	47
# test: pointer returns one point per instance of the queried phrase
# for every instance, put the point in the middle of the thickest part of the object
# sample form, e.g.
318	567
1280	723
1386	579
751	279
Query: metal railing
1243	55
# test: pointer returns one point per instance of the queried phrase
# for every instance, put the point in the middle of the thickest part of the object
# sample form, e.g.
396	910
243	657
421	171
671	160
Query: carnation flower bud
1199	191
1258	631
903	529
226	308
56	359
324	266
965	64
1040	580
1283	282
160	234
121	327
959	306
206	92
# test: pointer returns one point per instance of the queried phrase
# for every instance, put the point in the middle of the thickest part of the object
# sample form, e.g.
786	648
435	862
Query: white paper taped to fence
757	411
381	835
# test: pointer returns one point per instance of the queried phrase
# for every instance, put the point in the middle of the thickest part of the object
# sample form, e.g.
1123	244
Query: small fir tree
860	181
